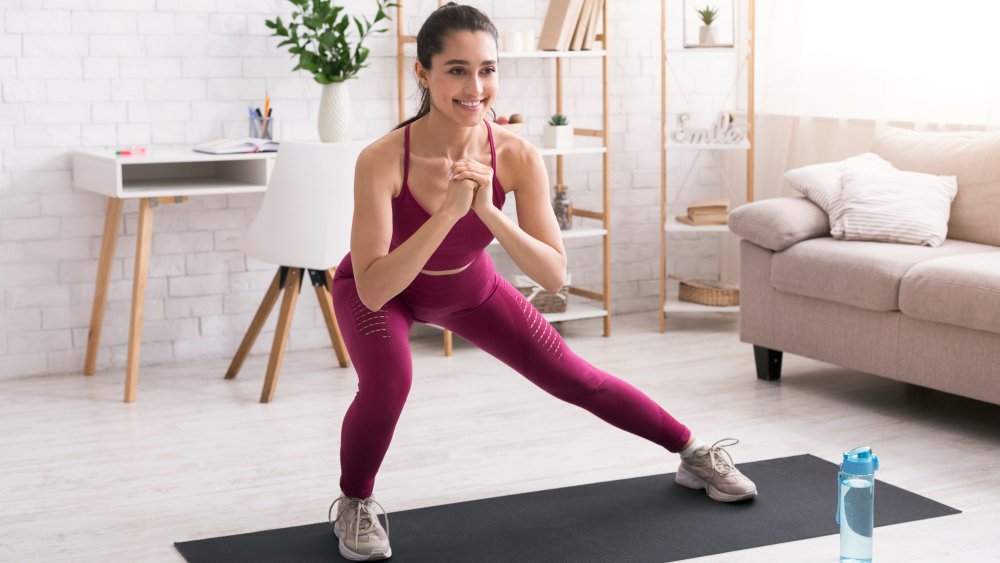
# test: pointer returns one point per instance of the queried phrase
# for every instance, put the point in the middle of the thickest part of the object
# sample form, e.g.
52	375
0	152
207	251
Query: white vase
335	113
557	136
706	36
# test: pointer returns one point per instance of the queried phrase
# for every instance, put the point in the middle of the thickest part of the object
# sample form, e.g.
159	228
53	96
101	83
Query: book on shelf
591	34
703	221
560	23
581	25
720	205
235	146
706	212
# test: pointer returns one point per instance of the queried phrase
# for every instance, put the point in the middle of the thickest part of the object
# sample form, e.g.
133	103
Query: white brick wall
115	73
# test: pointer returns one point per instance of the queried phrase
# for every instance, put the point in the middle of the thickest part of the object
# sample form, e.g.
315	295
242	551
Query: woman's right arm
379	274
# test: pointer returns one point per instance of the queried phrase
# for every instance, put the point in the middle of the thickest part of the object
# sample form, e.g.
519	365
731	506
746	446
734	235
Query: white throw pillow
821	183
905	207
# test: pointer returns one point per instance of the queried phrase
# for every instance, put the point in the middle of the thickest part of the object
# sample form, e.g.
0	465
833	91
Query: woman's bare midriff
445	272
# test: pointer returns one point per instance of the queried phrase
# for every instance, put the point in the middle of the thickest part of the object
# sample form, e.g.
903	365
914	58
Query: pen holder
262	127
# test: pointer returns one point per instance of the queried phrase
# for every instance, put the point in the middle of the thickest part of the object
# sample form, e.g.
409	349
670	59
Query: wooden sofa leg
768	363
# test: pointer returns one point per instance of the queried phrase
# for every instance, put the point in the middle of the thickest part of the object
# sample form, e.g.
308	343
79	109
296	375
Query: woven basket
542	300
709	292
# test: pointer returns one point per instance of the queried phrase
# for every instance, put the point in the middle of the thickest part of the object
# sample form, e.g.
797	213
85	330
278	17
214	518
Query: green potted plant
707	16
327	45
557	133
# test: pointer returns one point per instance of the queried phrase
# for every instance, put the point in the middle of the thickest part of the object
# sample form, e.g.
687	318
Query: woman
427	202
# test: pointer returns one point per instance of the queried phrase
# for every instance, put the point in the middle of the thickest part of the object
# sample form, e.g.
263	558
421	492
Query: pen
267	111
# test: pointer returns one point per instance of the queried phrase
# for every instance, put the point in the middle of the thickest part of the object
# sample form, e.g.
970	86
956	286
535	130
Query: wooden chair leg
447	342
281	333
325	296
142	243
112	216
263	312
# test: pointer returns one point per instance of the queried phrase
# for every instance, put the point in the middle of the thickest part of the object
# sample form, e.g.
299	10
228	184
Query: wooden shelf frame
666	225
601	216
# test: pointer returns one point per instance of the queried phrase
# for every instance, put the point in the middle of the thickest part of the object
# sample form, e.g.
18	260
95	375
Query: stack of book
570	25
706	212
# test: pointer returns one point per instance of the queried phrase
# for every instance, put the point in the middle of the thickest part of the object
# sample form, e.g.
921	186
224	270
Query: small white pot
334	122
557	136
706	36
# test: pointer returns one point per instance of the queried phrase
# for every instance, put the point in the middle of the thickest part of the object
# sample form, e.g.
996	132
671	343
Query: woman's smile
473	106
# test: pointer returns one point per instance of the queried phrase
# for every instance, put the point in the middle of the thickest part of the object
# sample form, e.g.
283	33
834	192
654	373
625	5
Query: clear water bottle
856	504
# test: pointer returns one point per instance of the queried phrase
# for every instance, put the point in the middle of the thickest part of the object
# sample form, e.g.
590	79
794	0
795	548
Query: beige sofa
927	316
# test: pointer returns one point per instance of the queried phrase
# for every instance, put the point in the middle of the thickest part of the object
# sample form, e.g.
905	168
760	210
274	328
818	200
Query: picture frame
722	31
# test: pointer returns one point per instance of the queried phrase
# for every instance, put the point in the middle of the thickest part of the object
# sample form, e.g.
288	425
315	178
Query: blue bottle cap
860	461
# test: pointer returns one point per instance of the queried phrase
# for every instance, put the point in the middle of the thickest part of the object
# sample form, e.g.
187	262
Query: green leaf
312	22
327	40
341	27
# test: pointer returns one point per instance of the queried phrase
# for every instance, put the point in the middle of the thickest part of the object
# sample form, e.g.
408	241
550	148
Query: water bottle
856	504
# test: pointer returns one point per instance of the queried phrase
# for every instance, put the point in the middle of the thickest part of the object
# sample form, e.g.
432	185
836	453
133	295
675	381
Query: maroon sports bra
466	240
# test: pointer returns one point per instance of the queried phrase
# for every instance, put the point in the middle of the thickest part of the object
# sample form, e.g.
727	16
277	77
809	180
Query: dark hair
430	41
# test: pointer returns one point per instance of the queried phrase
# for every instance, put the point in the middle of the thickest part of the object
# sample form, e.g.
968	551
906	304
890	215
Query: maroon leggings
482	307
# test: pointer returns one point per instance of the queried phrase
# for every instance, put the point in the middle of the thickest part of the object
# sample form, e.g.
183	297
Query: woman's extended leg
378	343
511	329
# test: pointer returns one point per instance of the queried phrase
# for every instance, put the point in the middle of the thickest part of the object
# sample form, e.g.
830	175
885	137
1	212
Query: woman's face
463	77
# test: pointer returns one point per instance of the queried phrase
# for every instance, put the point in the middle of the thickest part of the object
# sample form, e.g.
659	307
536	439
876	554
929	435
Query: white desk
162	176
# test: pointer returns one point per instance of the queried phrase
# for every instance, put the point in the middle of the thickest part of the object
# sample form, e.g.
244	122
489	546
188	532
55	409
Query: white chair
303	224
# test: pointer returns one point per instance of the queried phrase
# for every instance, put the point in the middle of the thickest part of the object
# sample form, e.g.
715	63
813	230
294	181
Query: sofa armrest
780	222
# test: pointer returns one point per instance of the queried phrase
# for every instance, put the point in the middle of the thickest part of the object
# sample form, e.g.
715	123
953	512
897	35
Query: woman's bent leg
511	329
378	343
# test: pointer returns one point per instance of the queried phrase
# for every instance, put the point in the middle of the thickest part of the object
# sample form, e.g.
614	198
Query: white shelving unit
599	305
669	224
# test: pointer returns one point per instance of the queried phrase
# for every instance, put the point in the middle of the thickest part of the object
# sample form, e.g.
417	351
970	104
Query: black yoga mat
644	519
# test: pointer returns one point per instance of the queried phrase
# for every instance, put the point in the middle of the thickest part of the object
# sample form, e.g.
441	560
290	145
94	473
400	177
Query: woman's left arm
534	242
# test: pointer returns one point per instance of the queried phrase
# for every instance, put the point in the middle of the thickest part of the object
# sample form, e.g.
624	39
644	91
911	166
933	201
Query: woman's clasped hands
470	186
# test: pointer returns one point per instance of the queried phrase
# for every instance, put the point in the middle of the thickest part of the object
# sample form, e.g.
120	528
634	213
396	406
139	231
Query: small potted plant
705	34
557	133
321	36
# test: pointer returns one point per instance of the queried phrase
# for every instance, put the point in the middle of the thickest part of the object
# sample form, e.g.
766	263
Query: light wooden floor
86	477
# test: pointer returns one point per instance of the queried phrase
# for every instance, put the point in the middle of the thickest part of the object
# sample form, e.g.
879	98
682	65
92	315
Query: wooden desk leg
325	296
447	342
142	243
281	334
264	311
112	216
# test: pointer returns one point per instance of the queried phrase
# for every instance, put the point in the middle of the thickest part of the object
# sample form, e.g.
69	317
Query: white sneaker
712	469
359	530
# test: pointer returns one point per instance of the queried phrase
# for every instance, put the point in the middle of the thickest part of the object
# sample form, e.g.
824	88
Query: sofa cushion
859	273
957	290
904	207
972	156
779	222
822	182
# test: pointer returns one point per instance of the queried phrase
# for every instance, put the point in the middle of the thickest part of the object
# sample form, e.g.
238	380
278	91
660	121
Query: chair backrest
304	220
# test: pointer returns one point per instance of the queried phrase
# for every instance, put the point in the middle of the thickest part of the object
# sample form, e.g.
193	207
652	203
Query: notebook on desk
233	146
